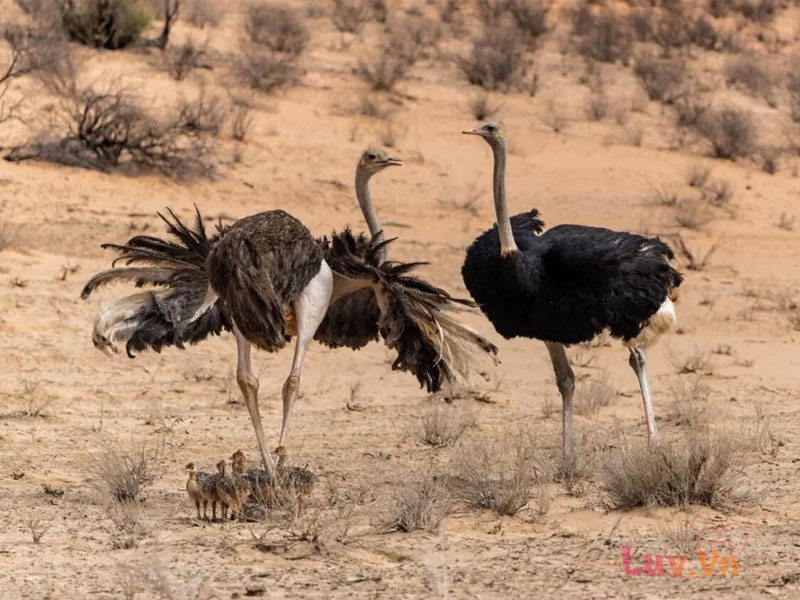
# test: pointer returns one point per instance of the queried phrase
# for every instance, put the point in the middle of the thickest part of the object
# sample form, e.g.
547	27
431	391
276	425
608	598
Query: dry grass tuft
499	474
696	361
697	176
679	534
692	213
689	404
592	395
383	71
350	16
699	467
482	107
122	471
9	234
443	424
421	503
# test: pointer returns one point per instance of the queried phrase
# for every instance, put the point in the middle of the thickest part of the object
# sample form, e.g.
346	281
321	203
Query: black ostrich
568	284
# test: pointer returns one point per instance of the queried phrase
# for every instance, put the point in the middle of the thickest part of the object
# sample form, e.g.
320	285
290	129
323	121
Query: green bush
109	24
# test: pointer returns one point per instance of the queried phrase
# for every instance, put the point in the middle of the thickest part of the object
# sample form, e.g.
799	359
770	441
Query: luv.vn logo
719	552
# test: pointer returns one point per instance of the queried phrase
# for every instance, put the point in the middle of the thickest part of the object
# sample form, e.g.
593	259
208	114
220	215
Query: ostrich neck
365	202
507	244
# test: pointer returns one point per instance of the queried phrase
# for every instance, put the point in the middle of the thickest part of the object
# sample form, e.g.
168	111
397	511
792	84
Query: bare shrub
499	474
277	27
413	38
421	503
703	34
383	71
690	110
30	52
528	16
482	107
109	24
38	528
730	131
679	533
265	70
127	524
759	11
593	395
496	60
694	260
699	467
204	114
604	36
442	425
181	60
124	471
203	13
750	72
106	130
662	78
350	16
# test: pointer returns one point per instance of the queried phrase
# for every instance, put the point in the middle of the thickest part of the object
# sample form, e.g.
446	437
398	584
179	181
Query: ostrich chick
233	488
300	480
198	488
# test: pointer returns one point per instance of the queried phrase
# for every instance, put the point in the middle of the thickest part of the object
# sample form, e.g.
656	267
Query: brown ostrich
266	278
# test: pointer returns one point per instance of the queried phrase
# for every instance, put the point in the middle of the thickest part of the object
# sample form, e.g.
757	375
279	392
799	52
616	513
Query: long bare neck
365	202
507	244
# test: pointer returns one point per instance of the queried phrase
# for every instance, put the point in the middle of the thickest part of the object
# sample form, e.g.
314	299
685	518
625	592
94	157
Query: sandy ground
62	399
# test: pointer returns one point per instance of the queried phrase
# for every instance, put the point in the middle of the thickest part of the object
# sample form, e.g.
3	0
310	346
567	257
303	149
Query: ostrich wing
415	318
168	316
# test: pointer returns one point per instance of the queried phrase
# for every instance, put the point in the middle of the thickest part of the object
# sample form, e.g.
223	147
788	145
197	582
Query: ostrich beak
472	132
391	161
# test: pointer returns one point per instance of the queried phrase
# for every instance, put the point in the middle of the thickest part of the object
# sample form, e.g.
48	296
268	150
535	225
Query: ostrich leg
637	362
249	386
565	379
309	310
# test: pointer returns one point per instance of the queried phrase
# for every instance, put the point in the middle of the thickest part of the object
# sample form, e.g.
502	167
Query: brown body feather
258	268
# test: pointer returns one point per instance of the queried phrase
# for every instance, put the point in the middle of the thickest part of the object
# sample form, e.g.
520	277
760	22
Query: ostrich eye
490	128
372	156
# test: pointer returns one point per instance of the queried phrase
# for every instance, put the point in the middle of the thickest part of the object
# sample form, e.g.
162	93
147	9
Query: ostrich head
491	131
189	467
221	466
374	160
237	461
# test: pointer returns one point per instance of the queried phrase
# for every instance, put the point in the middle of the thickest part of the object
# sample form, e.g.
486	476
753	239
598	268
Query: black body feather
569	283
